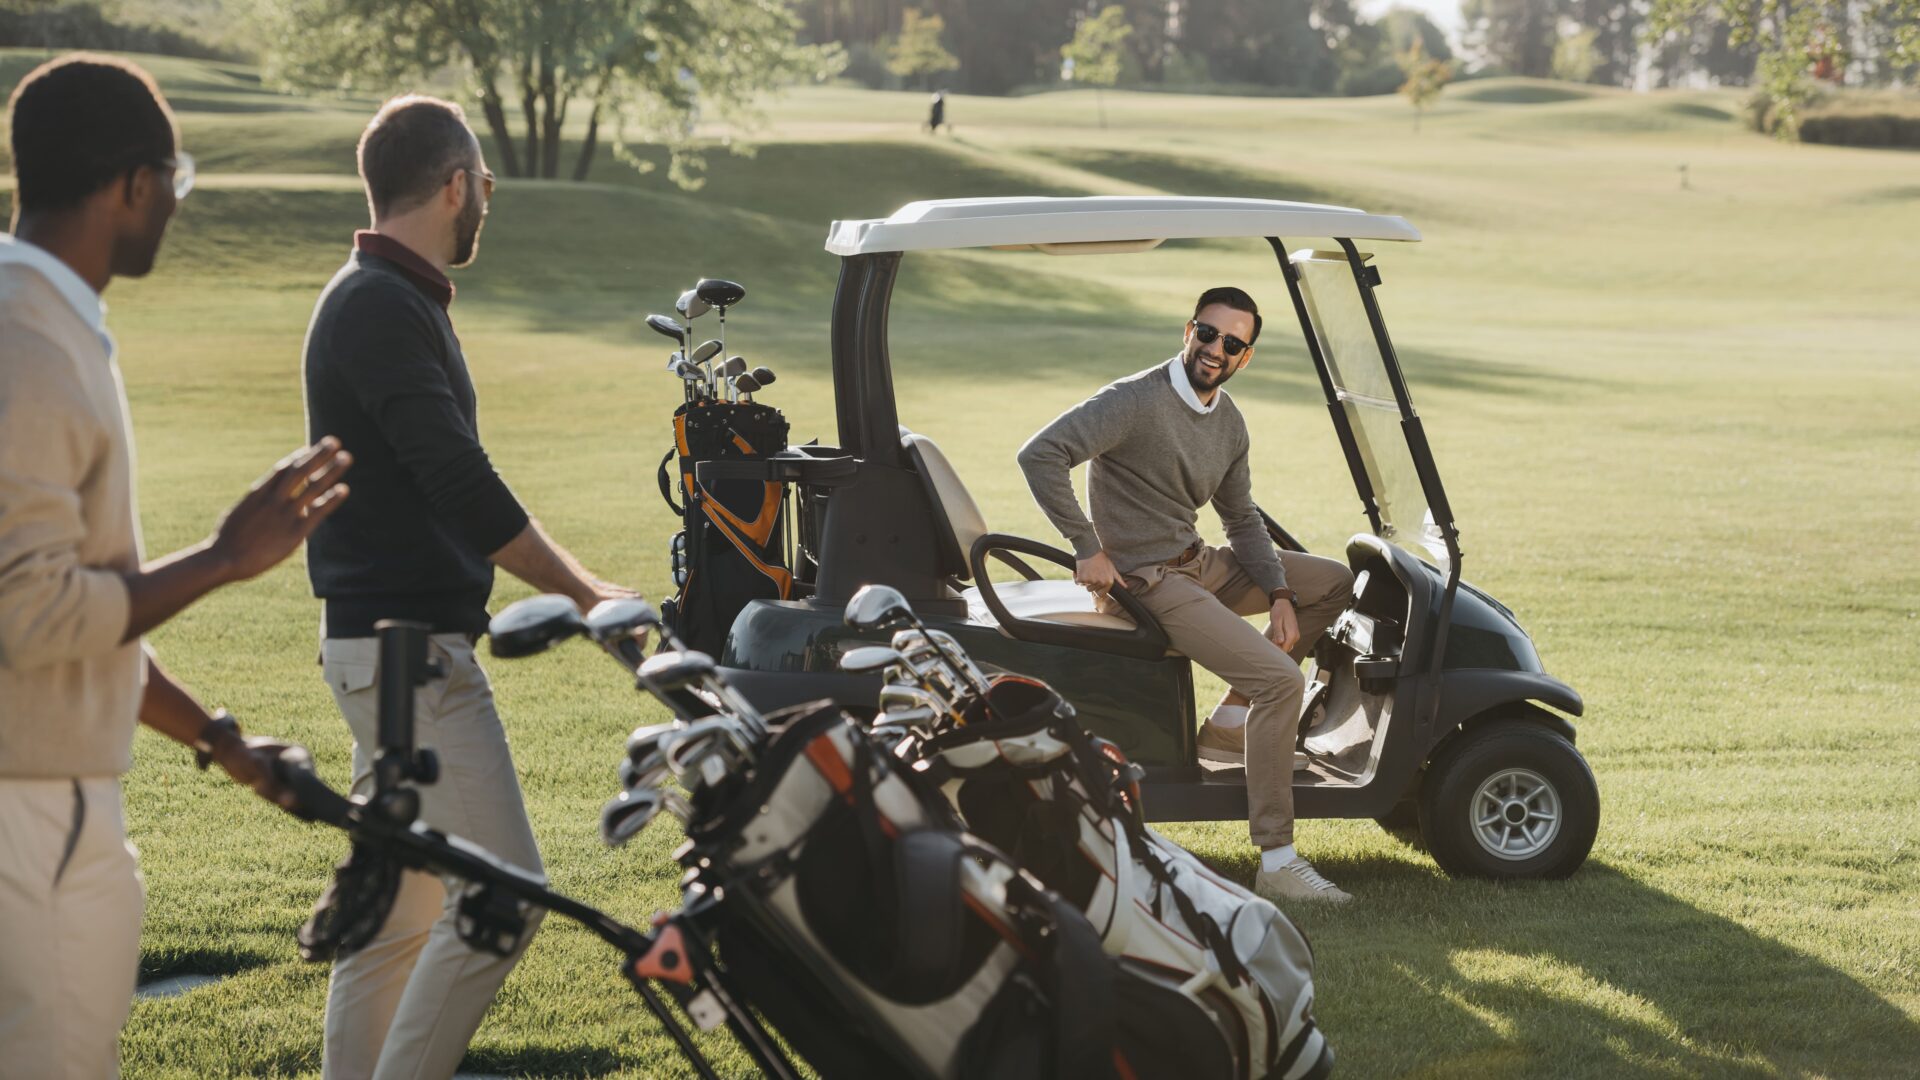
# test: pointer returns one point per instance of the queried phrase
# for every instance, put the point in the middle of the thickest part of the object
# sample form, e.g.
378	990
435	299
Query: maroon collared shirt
418	270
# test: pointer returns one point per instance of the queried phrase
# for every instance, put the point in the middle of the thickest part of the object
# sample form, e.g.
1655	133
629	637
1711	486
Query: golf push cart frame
1430	657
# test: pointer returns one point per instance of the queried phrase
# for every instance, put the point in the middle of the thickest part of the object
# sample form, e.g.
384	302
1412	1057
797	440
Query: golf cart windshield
1364	390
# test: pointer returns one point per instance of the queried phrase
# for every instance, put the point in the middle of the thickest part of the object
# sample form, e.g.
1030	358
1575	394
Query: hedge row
1896	129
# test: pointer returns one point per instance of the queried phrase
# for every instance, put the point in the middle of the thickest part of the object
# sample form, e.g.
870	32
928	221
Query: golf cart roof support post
1349	447
869	422
1422	454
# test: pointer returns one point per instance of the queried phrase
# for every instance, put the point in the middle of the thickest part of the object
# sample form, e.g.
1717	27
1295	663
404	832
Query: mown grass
1676	425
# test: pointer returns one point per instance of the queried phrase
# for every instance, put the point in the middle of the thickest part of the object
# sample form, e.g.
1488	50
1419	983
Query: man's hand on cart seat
1096	573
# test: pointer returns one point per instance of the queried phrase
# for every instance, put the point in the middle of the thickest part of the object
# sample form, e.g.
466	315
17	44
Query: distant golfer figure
937	113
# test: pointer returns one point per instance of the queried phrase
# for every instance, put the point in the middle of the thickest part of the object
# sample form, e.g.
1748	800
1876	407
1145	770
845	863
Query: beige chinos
406	1005
72	900
1201	604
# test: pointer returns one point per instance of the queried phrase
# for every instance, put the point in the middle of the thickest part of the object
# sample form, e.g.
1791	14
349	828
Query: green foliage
1370	54
1800	42
1426	75
917	52
1573	57
1099	47
647	68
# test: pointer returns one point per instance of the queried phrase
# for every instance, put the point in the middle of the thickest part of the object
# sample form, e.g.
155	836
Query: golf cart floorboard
1220	792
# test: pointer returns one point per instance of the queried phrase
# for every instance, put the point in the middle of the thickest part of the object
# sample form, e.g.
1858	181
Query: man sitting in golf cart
1163	443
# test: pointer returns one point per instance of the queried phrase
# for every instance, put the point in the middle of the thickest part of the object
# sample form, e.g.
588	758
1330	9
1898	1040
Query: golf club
661	324
762	375
744	385
703	355
721	294
869	658
690	306
735	365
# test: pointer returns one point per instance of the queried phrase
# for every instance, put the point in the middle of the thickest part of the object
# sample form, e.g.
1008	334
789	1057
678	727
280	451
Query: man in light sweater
99	174
1164	443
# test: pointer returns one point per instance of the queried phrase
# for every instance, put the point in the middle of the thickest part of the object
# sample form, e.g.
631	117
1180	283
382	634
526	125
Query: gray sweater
1156	461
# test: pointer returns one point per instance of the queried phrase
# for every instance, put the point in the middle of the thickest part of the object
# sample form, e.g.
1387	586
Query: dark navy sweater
385	374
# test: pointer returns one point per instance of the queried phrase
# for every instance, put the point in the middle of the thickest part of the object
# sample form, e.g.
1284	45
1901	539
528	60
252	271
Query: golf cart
1428	701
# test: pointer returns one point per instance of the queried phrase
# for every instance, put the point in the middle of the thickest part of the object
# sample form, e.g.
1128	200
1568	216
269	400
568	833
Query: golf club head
708	350
744	384
666	327
628	812
762	375
676	804
690	306
910	697
676	670
675	359
648	772
719	292
735	365
533	625
612	619
646	740
875	606
868	658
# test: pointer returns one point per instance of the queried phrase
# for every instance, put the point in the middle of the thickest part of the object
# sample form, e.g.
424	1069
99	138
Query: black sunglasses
1206	333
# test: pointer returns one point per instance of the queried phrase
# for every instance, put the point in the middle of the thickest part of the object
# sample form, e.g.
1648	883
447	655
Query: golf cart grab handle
1146	641
781	468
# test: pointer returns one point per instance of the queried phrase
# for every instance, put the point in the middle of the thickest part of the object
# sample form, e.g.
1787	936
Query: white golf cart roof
1102	223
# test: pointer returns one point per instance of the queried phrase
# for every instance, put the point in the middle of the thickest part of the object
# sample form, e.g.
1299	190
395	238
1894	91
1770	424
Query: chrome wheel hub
1516	814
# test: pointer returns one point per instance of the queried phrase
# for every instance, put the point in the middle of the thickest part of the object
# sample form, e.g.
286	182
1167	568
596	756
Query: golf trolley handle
420	847
1146	641
784	467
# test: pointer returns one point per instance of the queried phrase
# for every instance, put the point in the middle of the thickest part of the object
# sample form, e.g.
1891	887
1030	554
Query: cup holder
1376	673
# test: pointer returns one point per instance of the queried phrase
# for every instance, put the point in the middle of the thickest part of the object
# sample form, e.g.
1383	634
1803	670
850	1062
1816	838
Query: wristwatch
222	722
1286	594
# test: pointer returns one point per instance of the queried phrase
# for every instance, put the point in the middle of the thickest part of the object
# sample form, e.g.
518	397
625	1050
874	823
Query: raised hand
282	509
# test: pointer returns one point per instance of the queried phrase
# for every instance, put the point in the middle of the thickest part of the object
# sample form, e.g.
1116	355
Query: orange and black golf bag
732	547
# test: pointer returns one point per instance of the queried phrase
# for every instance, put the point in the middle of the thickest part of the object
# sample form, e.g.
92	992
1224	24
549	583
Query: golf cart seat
1033	609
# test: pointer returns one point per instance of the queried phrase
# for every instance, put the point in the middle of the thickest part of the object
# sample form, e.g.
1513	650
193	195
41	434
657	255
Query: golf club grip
313	799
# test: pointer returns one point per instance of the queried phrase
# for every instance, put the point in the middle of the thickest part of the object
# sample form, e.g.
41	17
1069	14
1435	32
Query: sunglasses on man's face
486	182
1233	346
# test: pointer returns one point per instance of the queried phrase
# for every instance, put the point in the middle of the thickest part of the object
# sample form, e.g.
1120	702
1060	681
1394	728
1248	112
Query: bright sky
1444	13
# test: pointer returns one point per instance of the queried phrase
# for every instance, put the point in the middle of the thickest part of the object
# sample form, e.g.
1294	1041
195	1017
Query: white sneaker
1298	880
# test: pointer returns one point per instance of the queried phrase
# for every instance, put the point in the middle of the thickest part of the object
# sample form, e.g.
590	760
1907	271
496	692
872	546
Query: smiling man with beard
429	521
1162	444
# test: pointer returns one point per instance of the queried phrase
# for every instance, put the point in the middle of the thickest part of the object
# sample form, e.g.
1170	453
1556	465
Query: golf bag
1233	974
732	547
882	939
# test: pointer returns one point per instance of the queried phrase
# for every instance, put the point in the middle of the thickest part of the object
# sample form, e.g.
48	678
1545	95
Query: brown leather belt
1188	555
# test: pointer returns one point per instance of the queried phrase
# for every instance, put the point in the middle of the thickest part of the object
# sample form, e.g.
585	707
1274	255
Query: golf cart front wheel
1510	800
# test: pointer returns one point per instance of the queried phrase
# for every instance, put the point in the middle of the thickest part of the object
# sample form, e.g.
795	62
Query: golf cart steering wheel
1146	641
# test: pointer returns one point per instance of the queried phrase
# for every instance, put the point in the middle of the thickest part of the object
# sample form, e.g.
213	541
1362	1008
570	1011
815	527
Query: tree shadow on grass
1521	979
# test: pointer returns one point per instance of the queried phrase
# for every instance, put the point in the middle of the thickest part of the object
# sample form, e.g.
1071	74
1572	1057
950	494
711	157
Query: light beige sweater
69	689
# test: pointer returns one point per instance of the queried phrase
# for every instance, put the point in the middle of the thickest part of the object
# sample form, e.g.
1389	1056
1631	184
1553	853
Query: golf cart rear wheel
1510	800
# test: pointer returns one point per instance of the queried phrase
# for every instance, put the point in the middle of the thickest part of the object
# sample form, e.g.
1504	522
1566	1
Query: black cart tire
1510	800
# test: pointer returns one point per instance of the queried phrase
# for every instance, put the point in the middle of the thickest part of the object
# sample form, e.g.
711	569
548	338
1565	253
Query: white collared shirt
70	285
1184	387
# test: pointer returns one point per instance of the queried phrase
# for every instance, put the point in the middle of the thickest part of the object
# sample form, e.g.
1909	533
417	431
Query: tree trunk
497	124
586	148
530	112
553	113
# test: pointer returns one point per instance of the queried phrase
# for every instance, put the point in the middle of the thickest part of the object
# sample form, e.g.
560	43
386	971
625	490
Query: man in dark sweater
429	521
1162	444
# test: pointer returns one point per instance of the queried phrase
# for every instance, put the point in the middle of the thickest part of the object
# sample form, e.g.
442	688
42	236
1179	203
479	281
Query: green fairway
1678	426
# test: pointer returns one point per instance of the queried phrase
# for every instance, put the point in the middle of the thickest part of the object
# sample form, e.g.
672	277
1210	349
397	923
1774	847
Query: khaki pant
407	1004
1200	604
70	906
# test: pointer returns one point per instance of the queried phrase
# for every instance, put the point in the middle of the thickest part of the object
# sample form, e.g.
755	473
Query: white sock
1228	717
1274	858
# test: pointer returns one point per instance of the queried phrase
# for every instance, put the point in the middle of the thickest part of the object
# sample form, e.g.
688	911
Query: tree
1426	77
917	52
1573	57
1515	35
1795	39
643	65
1097	50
